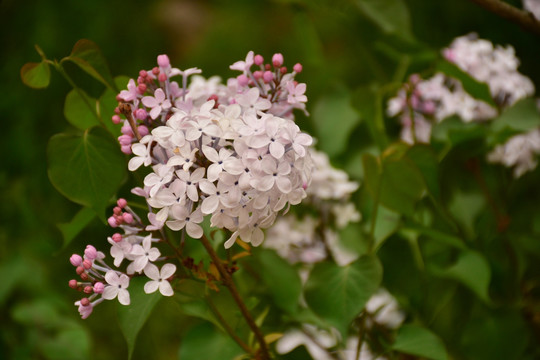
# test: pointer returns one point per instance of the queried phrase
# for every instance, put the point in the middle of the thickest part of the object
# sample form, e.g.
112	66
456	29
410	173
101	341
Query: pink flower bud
85	302
75	260
84	276
117	210
116	109
117	237
162	77
242	80
79	270
268	76
112	222
116	119
128	218
268	67
126	129
88	290
163	61
297	68
283	69
99	287
143	73
258	74
121	203
73	283
277	60
143	130
258	59
126	149
87	264
125	139
141	114
141	88
155	71
90	252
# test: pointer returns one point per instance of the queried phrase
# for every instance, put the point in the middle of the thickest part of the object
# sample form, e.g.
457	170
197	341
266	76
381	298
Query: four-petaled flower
117	287
159	279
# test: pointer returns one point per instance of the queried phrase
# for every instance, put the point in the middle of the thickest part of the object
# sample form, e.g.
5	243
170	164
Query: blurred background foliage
347	47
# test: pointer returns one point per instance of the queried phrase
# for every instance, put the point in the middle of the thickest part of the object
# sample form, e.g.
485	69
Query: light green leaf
132	317
338	294
522	116
36	75
419	341
87	55
87	169
80	109
386	224
205	342
71	229
280	277
392	16
472	270
476	89
334	119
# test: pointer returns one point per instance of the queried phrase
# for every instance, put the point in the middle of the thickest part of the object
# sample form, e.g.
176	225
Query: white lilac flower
159	279
143	254
520	152
117	287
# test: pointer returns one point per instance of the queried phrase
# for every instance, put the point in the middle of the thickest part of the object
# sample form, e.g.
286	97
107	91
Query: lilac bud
85	302
117	237
126	149
121	203
87	264
128	218
143	130
99	287
242	80
112	222
116	119
141	114
90	252
268	76
75	260
163	61
73	283
297	68
277	60
88	290
258	60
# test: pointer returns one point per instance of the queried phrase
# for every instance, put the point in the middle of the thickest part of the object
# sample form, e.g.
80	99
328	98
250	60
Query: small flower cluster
520	152
102	282
309	239
420	103
229	152
382	311
532	6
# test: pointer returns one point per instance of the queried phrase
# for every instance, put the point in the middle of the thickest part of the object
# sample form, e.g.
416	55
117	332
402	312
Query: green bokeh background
341	49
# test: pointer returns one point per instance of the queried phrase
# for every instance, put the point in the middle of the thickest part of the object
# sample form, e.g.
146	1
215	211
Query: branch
521	17
228	282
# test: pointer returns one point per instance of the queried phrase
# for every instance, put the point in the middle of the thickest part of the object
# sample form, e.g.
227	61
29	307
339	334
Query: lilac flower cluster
231	152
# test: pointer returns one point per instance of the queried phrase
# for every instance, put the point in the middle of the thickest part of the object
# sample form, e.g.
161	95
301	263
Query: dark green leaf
87	55
338	294
71	229
206	342
476	89
392	16
36	75
80	109
368	103
436	235
386	224
426	161
419	341
70	343
523	116
472	270
281	278
87	169
132	317
334	119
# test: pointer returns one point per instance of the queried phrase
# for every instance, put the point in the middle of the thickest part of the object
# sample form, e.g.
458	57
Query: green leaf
425	159
80	109
87	55
132	317
521	117
419	341
70	343
280	277
36	75
436	235
71	229
386	224
392	16
334	119
472	270
454	131
107	103
476	89
338	294
367	101
205	342
87	169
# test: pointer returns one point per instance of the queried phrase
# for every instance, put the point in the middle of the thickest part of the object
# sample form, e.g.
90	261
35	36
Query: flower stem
228	282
